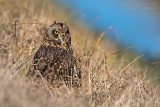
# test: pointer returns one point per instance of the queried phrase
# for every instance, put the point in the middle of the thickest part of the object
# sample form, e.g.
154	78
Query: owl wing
43	57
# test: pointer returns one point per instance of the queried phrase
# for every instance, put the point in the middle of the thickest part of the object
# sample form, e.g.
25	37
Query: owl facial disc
59	32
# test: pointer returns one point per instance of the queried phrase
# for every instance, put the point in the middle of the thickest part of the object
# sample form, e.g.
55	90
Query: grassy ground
108	79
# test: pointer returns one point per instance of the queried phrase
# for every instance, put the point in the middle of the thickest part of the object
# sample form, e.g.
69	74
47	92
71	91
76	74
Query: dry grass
107	80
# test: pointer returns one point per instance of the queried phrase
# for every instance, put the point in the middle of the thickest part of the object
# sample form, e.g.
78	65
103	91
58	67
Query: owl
54	59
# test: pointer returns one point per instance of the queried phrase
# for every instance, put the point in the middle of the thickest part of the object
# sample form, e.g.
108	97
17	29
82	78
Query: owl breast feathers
54	59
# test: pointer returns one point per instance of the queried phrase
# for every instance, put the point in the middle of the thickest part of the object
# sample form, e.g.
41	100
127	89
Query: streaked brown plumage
54	59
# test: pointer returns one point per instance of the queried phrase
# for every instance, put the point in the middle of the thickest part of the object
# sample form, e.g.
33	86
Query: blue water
136	23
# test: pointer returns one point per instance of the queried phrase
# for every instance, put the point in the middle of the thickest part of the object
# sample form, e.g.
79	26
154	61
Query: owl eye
56	32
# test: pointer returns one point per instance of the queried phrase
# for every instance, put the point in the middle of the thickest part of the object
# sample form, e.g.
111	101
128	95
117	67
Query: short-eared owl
54	59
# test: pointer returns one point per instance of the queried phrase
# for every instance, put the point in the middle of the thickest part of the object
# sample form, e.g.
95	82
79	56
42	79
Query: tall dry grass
107	79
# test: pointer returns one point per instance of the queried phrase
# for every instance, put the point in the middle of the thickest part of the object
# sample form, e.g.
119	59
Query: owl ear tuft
55	22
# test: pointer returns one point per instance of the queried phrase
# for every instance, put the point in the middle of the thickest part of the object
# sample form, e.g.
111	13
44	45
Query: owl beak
62	38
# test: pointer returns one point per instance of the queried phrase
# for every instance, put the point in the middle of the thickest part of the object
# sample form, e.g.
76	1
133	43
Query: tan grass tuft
109	79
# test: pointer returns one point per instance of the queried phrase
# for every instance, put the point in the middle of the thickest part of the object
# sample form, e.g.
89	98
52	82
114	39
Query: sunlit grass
109	77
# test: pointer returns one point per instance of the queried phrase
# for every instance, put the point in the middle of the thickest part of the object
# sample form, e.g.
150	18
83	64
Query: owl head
59	32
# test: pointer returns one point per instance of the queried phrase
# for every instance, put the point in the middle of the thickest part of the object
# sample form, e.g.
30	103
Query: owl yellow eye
56	32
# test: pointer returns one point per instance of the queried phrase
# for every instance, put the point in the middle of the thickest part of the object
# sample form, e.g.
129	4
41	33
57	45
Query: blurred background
132	23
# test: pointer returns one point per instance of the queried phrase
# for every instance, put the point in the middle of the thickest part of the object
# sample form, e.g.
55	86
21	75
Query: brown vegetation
107	80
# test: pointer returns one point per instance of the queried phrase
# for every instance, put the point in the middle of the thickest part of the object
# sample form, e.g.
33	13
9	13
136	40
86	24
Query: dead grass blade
8	25
95	47
118	51
131	63
45	83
